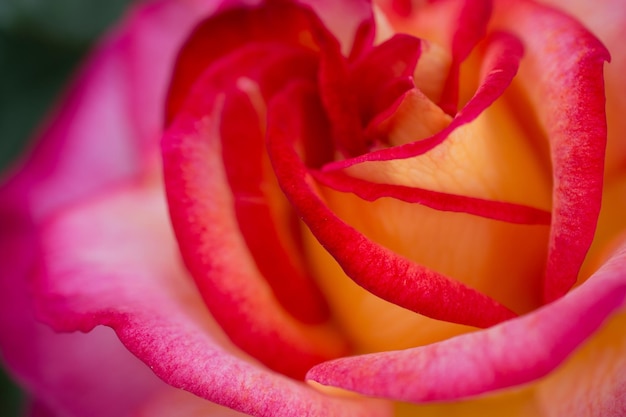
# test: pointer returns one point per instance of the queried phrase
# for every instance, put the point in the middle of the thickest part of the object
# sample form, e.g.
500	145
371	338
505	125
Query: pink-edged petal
113	261
148	52
291	117
497	210
512	353
568	94
606	21
500	65
179	403
235	27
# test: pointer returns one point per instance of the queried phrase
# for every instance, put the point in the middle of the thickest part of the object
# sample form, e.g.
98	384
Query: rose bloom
327	208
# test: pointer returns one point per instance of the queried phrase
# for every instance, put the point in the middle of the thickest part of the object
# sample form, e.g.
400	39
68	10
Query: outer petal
142	290
513	353
102	133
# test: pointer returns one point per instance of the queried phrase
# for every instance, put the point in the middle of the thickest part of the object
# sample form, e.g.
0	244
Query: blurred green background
41	43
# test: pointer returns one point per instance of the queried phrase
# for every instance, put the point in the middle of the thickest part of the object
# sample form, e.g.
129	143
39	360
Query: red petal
384	74
564	78
265	219
497	210
510	354
202	207
375	268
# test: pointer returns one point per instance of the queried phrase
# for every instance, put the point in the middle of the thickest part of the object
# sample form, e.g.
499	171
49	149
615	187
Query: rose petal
456	25
513	353
141	290
470	29
71	160
350	21
202	206
265	218
386	71
607	23
178	403
569	97
377	269
499	67
497	210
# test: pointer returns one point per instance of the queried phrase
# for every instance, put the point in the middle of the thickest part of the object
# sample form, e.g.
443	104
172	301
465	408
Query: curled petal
512	353
499	68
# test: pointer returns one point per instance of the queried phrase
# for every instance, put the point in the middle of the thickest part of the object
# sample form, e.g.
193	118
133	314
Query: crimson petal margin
500	65
496	210
141	290
564	77
512	353
373	267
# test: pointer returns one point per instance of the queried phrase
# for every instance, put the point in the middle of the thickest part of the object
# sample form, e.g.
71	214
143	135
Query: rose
106	256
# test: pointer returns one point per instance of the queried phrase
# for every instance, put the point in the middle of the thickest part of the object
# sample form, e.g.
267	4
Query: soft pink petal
96	138
179	403
106	129
563	76
292	118
512	353
53	367
114	261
